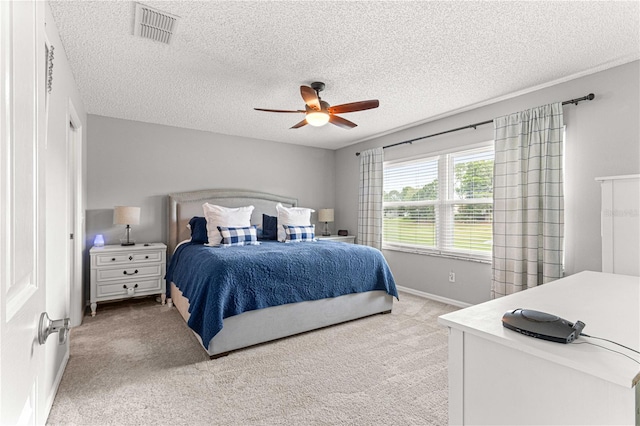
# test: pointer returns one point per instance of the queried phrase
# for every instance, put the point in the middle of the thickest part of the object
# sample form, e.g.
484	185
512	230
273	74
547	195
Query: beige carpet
137	363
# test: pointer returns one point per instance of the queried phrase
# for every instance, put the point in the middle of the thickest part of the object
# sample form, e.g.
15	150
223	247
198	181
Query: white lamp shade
325	215
317	118
123	215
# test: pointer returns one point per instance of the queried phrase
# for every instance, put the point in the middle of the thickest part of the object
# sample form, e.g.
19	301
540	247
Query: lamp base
126	239
325	231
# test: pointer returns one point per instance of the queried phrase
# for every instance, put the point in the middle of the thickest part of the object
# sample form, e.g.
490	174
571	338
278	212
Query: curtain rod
589	97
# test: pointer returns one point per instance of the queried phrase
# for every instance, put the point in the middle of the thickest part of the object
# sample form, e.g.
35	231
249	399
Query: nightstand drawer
131	272
121	288
127	258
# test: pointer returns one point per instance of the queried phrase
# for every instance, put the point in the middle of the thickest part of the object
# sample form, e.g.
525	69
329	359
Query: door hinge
71	236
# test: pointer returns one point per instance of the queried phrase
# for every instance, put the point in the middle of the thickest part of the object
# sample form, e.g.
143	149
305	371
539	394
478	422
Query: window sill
437	253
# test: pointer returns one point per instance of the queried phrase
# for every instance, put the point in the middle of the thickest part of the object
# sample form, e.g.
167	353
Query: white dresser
621	224
120	272
499	376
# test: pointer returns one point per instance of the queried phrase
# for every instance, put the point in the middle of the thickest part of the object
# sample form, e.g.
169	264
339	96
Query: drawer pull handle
146	257
125	286
130	257
126	273
113	259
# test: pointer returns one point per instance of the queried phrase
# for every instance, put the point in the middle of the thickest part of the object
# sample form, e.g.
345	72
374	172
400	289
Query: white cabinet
499	376
621	224
120	272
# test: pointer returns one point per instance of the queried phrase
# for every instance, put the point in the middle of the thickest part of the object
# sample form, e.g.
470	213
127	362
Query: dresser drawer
106	259
130	272
144	286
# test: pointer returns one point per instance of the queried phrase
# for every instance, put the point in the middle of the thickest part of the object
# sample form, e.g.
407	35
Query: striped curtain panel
370	198
528	200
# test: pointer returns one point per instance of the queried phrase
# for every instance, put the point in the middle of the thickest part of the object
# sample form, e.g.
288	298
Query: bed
266	320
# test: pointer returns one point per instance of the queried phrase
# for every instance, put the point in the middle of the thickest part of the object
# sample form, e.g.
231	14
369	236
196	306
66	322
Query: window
440	205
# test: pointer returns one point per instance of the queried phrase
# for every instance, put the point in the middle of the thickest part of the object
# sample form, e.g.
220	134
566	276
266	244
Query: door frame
76	210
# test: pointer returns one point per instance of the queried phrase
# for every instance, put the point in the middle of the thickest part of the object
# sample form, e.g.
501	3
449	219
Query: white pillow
224	216
292	216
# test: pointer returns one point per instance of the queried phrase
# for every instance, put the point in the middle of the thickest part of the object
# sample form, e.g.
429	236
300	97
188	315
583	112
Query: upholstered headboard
182	206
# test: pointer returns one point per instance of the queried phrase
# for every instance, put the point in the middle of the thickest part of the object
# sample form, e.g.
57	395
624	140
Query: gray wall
138	164
133	163
602	140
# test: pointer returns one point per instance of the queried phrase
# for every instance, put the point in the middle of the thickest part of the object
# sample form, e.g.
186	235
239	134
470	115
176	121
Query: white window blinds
440	205
410	198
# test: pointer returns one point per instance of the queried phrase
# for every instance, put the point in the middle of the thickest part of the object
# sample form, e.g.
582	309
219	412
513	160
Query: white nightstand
121	272
344	239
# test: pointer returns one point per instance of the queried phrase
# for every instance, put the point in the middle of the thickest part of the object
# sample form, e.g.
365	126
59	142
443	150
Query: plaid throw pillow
238	236
297	234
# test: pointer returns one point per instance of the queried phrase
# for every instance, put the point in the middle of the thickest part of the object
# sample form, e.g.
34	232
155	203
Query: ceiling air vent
154	24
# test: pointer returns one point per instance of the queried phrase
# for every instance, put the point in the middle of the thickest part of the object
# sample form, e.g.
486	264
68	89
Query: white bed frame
259	326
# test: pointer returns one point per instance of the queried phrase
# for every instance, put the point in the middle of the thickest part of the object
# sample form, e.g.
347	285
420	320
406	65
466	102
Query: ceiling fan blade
300	124
341	122
354	106
276	110
310	97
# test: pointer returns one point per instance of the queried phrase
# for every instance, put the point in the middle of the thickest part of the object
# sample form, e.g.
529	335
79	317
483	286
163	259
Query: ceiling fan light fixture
318	112
317	118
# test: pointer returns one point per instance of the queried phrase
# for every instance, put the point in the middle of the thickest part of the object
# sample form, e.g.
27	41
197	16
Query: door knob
47	327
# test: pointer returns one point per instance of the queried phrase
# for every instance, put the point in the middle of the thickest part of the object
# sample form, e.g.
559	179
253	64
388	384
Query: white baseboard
433	297
54	389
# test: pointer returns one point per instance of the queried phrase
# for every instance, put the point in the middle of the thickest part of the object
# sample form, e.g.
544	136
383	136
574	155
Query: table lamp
123	215
326	216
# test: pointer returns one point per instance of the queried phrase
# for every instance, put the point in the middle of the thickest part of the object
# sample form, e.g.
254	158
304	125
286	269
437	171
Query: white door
22	211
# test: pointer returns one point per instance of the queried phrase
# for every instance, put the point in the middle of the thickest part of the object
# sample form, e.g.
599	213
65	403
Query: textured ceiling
420	59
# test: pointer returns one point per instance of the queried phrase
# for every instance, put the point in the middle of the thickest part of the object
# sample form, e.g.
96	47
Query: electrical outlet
452	277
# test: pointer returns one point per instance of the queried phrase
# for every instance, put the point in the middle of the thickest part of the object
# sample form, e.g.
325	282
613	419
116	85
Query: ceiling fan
318	112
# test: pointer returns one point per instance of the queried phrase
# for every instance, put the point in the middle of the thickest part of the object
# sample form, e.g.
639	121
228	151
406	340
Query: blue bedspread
222	282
